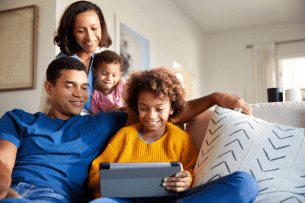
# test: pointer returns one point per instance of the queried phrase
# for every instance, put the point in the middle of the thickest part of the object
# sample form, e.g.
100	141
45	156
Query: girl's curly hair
161	81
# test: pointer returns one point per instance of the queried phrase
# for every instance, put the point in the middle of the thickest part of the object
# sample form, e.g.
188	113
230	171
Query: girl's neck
152	135
85	58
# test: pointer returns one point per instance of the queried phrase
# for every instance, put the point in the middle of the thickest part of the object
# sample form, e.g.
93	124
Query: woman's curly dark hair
161	81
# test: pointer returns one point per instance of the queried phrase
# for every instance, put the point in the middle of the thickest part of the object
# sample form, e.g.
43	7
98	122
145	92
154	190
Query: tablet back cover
136	179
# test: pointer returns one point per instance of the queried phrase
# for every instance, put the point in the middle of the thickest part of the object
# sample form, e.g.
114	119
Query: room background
218	61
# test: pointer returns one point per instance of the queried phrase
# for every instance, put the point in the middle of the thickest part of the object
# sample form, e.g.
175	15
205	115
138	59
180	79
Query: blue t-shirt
58	153
91	79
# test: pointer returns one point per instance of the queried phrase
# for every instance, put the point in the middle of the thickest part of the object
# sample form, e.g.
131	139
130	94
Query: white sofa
285	181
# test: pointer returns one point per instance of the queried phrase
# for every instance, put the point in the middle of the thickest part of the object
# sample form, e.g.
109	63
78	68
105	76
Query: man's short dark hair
63	63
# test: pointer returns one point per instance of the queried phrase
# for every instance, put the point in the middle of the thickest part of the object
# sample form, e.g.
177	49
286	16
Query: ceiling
224	15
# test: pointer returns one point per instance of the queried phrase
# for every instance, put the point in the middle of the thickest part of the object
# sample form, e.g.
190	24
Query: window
292	73
186	77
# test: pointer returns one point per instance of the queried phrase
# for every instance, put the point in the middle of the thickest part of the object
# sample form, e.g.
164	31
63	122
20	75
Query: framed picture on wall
133	46
18	48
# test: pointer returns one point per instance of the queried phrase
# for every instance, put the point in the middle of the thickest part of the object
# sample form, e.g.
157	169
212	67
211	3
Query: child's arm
117	108
112	153
188	156
94	178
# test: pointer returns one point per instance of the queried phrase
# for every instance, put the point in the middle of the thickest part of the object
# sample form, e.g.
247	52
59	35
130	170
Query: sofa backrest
290	113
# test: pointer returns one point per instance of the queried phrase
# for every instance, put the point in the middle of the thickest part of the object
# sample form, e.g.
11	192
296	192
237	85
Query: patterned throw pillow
274	154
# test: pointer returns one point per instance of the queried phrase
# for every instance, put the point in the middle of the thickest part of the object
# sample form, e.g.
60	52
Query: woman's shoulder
61	54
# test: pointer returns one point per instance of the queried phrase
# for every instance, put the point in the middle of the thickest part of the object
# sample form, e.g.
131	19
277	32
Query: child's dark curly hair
107	56
161	81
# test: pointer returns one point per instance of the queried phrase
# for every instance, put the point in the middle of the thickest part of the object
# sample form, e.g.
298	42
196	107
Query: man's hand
8	152
179	183
8	192
231	102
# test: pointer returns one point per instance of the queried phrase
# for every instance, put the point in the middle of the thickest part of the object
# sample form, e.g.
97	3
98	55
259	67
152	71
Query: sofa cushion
290	113
274	154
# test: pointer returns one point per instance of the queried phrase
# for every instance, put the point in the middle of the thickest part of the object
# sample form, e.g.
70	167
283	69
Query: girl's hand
179	183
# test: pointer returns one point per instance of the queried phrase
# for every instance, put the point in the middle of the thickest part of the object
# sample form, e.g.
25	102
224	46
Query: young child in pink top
109	87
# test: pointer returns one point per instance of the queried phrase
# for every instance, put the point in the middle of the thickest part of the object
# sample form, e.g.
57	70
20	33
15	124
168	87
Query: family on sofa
47	156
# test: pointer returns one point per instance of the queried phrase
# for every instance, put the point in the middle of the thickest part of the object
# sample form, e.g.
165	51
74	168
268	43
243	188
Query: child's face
107	76
153	112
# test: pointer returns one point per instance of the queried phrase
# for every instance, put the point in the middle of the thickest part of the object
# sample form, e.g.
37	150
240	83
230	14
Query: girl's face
107	76
153	112
87	31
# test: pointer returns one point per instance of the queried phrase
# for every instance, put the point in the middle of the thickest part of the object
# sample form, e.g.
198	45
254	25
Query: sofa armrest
198	126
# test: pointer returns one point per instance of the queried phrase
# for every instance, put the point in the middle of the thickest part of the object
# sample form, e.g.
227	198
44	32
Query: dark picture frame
18	41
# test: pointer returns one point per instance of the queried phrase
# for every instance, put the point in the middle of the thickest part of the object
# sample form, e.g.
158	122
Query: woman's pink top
115	98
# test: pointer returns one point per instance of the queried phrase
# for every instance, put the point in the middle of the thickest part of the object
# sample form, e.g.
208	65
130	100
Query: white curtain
264	70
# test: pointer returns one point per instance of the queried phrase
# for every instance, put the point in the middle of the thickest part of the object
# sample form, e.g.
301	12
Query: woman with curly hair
155	96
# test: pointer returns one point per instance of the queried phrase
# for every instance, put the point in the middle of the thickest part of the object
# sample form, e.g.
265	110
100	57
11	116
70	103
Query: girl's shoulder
120	87
132	128
177	133
96	93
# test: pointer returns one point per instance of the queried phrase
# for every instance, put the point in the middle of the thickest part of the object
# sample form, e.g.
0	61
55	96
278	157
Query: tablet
136	179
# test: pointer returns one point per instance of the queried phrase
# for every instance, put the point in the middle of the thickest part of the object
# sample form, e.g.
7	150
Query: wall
229	63
173	37
29	99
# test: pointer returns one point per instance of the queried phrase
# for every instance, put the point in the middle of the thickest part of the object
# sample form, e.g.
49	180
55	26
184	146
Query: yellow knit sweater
127	146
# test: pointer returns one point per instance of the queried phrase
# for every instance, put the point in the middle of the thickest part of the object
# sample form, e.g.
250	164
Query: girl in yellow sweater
155	96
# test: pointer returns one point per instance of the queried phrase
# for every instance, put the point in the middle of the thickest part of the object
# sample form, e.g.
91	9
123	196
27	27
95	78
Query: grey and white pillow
274	154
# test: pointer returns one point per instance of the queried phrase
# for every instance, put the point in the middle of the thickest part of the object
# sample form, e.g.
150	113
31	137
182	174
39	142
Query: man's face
69	95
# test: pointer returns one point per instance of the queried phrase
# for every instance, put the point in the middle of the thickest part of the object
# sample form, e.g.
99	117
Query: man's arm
197	106
8	152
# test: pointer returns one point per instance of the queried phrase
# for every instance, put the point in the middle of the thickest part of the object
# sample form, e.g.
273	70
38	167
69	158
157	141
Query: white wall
228	66
173	37
220	61
29	99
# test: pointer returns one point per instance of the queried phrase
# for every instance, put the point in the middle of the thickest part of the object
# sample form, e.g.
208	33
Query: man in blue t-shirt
47	158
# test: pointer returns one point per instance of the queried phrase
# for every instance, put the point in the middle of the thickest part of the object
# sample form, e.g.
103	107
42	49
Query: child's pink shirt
115	98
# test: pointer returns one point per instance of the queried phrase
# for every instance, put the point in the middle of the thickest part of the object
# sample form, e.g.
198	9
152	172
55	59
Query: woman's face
87	31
